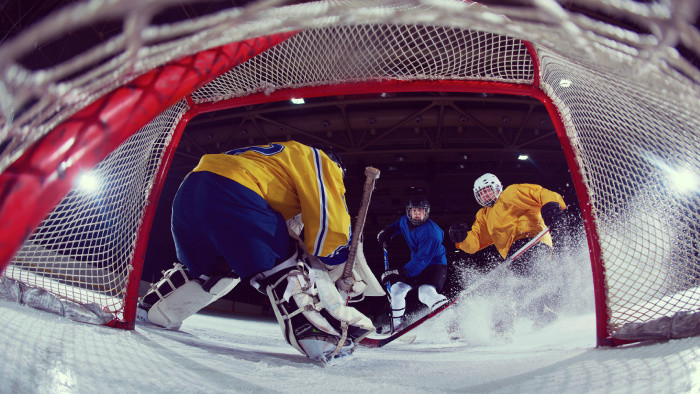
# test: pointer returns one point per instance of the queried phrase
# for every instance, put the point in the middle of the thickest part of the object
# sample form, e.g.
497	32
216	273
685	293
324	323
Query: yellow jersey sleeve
323	210
535	196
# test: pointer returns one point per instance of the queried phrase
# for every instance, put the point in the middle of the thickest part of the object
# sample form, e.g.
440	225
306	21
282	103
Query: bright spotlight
297	101
88	183
523	157
684	180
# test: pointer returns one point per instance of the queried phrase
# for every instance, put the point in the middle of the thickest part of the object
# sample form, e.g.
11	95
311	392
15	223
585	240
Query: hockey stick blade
379	342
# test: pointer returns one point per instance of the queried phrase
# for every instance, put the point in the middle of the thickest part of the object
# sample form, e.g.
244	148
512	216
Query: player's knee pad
177	296
311	312
428	295
400	290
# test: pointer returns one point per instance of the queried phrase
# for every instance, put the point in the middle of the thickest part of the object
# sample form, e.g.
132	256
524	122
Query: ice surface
44	352
47	353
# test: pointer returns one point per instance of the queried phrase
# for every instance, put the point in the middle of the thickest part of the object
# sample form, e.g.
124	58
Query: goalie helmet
415	208
487	188
333	155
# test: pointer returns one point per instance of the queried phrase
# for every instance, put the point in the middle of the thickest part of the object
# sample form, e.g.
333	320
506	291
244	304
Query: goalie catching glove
311	312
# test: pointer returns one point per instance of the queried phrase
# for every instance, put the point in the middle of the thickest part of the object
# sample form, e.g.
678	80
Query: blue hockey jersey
425	242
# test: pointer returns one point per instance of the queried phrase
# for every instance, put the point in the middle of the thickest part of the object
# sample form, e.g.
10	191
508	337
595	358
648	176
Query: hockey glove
384	237
458	232
393	276
551	213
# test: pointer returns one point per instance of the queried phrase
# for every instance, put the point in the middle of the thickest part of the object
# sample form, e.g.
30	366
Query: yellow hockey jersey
515	215
293	178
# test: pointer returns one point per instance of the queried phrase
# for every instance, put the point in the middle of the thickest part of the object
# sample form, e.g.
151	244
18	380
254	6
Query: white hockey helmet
487	188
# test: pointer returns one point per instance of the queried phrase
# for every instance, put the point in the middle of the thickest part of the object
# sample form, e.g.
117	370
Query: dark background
430	145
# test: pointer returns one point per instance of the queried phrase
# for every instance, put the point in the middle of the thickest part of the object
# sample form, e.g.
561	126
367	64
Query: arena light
680	179
297	101
88	183
523	157
684	180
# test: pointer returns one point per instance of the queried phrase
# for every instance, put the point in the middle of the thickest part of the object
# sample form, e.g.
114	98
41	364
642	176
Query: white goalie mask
487	188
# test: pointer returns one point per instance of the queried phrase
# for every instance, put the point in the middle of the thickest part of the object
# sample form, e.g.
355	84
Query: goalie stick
372	174
379	342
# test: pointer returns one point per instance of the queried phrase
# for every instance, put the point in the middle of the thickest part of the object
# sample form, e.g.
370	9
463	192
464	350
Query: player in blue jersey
229	224
427	268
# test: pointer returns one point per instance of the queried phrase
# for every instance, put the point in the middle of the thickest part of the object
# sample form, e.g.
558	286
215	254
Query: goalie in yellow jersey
509	219
229	224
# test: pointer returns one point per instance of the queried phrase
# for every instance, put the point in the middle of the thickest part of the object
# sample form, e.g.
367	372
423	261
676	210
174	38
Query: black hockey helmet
332	154
418	203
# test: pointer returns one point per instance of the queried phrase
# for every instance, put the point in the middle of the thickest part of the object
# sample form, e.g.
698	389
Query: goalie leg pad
311	312
177	296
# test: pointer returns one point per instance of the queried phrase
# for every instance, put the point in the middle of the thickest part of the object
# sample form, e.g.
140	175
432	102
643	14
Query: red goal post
91	253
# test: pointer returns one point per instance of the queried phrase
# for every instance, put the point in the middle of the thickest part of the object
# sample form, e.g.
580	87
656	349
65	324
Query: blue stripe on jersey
323	225
269	150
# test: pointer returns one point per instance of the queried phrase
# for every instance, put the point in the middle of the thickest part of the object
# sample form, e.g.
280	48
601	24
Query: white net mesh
632	143
629	103
83	250
376	52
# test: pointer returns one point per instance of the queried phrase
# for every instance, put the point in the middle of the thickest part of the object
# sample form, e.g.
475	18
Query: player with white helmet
487	188
509	218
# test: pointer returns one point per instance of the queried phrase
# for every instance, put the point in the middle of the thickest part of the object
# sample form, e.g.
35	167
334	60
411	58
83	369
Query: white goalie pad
333	301
365	283
311	312
172	308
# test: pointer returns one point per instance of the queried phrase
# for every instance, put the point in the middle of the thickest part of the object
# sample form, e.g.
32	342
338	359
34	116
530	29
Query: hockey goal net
624	102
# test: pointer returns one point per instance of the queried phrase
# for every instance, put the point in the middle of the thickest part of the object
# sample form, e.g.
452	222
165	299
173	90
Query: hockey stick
509	261
527	246
386	268
345	283
376	342
388	289
379	342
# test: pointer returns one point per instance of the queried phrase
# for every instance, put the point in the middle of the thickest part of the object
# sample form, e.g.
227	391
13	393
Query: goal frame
118	110
59	185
